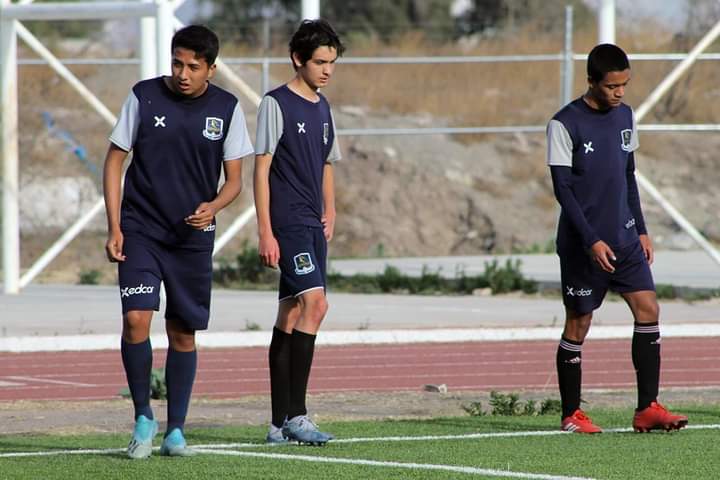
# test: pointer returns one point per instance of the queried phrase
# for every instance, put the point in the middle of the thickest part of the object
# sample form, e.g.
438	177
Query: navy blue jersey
597	146
179	145
301	138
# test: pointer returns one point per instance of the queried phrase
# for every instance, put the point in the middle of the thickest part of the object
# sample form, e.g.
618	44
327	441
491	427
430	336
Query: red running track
231	373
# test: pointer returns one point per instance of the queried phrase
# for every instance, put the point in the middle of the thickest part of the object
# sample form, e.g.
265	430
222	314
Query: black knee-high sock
179	377
646	360
137	360
569	369
302	347
279	360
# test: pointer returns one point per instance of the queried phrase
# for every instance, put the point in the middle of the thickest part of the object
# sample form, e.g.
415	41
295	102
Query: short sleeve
334	154
634	140
237	142
559	145
125	132
269	126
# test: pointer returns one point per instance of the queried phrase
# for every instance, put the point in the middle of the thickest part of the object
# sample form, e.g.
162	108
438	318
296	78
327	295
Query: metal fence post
568	70
9	151
265	85
148	49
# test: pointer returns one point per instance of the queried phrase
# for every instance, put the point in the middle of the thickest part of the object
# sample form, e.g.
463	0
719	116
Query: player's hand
114	246
328	222
602	254
202	217
269	251
647	247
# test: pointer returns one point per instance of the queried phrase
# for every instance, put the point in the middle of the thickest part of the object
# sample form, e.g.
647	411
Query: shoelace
580	415
307	424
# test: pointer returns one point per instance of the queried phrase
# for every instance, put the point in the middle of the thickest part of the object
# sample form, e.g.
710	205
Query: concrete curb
347	337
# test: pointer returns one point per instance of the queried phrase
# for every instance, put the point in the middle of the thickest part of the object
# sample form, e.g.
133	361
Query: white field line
409	466
422	438
425	438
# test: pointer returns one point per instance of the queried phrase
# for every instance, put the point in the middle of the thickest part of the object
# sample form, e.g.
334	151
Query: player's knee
650	312
180	337
315	309
136	325
181	342
577	326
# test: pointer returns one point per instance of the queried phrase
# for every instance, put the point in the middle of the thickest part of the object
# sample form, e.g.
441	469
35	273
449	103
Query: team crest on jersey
213	128
626	138
303	263
326	133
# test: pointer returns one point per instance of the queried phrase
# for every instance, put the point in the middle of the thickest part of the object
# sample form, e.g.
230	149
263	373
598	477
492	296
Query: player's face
609	91
317	71
190	74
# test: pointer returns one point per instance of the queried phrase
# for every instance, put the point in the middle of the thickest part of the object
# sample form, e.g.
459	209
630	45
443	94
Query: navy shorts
303	260
585	284
185	273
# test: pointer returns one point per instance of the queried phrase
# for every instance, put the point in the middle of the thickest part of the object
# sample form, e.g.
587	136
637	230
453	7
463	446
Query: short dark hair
312	34
605	58
200	40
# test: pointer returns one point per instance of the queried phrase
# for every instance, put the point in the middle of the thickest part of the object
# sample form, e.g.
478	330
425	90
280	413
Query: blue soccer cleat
276	436
174	445
302	430
140	445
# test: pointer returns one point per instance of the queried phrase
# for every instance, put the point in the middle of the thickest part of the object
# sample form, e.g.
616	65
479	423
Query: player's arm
206	211
328	186
112	179
269	131
559	158
328	190
268	247
122	140
636	209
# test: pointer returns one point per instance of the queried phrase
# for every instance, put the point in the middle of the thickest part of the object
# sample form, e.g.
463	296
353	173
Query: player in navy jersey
182	131
602	241
295	201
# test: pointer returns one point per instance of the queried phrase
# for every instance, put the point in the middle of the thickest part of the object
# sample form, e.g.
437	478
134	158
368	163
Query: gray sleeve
269	126
559	145
334	154
125	132
237	142
634	140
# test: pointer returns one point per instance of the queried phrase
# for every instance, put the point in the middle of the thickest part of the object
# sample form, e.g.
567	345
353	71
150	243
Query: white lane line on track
47	380
409	466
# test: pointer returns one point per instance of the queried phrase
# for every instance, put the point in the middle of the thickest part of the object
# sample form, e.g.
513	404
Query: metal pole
310	9
568	70
235	227
9	149
606	22
265	86
165	18
148	52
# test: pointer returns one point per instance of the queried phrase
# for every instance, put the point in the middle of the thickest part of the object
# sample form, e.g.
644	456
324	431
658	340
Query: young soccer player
602	241
182	131
295	201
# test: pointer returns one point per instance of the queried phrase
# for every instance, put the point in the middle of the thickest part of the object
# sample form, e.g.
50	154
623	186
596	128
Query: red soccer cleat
578	422
656	417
